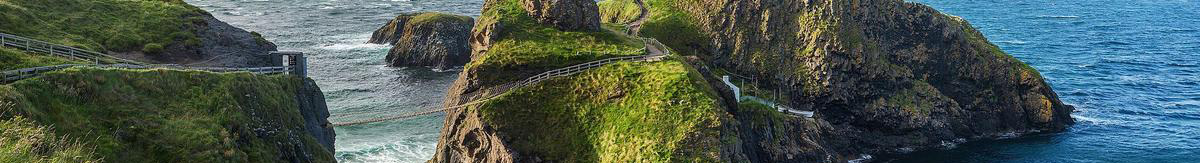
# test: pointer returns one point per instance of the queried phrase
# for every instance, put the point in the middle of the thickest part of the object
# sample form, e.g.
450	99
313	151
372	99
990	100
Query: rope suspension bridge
101	60
655	51
490	93
295	64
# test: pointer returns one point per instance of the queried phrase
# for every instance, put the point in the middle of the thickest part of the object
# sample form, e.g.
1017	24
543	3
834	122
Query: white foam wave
1090	120
354	46
1058	16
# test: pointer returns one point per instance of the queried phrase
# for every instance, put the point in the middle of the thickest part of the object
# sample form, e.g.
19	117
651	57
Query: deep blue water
1132	69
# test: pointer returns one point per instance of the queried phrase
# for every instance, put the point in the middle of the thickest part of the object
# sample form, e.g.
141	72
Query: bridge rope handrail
25	73
489	94
39	46
656	51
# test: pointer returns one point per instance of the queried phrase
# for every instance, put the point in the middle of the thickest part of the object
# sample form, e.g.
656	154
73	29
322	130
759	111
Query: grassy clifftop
524	45
170	116
102	25
18	136
11	59
624	112
627	112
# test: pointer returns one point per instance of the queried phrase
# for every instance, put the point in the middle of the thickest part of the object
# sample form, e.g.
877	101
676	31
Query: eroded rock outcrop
213	43
426	39
227	46
565	14
884	76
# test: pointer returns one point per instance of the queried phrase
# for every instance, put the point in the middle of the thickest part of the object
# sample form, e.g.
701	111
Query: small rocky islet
431	39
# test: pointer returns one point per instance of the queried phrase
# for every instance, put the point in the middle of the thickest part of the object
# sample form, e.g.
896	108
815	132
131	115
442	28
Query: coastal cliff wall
885	76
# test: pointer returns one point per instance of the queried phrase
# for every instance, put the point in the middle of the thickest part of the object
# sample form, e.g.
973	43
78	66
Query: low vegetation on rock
124	25
170	116
11	59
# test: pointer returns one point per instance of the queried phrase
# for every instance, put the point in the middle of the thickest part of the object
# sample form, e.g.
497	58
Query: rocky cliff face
316	114
227	46
884	76
565	14
210	43
426	39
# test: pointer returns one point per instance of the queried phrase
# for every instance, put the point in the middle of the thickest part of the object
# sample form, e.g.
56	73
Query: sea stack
429	39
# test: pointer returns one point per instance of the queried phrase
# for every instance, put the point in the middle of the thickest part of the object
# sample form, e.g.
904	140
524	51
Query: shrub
152	48
123	42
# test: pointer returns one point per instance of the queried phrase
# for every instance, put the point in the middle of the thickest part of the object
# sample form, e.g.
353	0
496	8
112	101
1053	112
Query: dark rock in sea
565	14
426	39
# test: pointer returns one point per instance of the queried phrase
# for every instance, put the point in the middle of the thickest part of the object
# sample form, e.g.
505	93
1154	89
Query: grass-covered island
880	77
89	114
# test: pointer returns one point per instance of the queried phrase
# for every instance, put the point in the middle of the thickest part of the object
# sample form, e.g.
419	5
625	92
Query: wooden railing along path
32	45
97	59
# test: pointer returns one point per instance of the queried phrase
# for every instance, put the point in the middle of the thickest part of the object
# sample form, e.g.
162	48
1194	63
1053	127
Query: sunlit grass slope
102	25
627	112
170	116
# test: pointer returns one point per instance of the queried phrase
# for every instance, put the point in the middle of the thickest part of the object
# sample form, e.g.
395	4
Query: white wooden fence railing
32	45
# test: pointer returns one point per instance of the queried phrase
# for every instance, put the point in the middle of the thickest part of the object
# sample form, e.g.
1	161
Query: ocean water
352	74
1131	67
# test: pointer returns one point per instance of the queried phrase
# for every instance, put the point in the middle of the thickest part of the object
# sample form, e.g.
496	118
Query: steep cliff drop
426	39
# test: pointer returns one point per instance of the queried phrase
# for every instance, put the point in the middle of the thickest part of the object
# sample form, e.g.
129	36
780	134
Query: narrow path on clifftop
636	26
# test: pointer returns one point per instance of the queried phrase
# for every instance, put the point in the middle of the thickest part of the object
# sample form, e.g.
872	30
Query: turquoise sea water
1132	68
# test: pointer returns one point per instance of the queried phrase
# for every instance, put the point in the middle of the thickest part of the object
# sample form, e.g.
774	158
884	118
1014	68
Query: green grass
432	17
169	116
626	112
11	59
102	25
673	27
915	100
19	136
618	11
527	46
